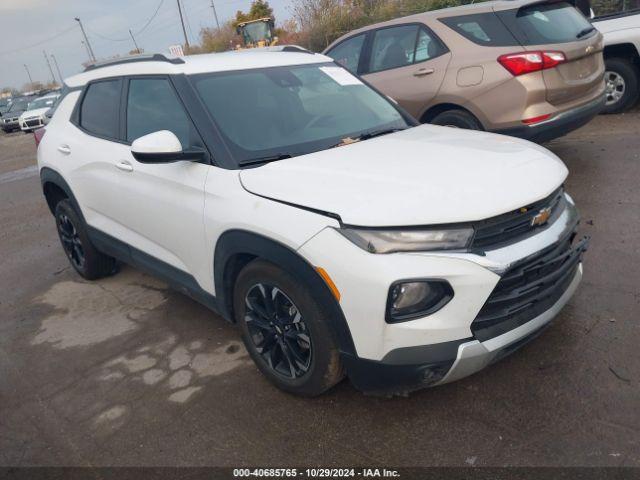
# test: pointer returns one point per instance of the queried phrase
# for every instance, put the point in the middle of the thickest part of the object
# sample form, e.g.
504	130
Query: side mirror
162	147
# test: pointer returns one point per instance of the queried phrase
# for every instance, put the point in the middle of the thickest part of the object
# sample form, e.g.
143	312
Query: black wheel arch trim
50	176
242	242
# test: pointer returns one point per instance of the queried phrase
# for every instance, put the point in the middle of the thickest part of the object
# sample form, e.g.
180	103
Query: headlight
388	241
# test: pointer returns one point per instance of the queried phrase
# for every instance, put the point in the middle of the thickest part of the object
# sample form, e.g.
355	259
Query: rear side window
153	106
397	47
348	53
100	108
482	28
547	23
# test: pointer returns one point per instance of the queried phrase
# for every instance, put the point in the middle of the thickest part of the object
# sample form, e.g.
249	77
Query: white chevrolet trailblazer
281	191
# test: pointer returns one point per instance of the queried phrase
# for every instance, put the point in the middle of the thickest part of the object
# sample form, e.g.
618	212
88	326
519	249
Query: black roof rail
156	57
296	49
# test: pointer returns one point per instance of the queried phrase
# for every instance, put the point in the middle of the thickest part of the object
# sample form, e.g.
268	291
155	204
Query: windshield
42	103
293	110
18	104
255	32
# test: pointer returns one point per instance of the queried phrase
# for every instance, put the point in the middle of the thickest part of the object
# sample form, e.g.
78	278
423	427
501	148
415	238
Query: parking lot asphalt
124	371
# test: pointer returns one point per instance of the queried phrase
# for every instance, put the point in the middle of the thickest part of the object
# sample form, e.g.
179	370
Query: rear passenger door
406	62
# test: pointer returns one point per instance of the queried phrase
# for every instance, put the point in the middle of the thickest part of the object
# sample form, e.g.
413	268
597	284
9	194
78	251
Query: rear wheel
285	331
621	81
457	119
83	256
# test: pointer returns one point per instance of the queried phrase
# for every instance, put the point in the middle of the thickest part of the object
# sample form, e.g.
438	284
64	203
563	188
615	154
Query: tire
621	79
299	331
457	119
82	254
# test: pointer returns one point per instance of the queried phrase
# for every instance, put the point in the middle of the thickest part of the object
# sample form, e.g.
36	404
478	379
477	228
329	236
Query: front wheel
285	330
621	81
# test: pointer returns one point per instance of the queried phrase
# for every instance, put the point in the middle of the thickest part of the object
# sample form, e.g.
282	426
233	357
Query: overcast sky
25	23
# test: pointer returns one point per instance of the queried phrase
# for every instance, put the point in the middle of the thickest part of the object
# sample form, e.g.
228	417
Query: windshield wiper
585	31
367	136
267	159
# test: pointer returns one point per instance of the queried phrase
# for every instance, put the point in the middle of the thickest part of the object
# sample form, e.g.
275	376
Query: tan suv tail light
527	62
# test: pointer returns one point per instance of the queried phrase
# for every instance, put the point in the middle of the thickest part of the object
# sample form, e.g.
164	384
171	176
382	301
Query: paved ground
126	372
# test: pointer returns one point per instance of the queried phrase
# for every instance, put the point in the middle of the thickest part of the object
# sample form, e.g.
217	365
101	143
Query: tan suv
519	67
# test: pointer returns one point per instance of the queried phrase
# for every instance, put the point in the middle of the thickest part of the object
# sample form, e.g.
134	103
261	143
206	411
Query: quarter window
481	28
400	46
100	109
348	53
153	106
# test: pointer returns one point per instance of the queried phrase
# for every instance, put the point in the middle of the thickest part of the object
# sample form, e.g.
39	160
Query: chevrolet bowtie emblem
541	218
590	49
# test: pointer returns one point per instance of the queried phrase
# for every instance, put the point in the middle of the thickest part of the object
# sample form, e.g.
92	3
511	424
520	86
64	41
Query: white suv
281	191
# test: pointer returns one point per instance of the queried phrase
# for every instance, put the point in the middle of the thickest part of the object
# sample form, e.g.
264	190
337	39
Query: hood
38	112
425	175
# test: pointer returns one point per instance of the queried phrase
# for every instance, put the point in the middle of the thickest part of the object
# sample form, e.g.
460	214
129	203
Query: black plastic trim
555	128
176	278
48	175
241	242
439	305
155	58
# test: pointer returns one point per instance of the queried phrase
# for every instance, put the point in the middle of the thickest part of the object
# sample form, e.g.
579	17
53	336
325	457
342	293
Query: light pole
28	73
46	57
184	30
93	57
134	42
55	62
215	14
86	48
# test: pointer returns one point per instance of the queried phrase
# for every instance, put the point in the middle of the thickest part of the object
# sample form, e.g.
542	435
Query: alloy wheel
278	331
615	87
71	241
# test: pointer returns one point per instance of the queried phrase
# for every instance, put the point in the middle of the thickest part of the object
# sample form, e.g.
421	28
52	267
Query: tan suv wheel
457	119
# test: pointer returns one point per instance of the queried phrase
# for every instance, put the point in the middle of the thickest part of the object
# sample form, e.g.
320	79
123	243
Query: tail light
527	62
38	134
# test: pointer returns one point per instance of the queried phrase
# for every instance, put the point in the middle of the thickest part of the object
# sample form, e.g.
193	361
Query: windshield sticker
341	76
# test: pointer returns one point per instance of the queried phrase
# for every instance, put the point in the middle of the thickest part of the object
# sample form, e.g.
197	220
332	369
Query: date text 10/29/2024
316	473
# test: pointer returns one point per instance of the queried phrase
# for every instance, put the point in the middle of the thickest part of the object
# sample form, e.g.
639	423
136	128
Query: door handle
423	71
64	149
124	166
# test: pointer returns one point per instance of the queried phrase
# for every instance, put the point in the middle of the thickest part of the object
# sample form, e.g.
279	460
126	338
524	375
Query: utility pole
184	30
28	73
86	48
93	57
46	57
134	41
215	14
55	62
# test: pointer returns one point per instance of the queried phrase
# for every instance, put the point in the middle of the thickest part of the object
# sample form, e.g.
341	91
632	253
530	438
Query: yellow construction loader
257	33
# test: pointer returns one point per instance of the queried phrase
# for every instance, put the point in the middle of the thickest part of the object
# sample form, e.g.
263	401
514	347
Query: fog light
416	298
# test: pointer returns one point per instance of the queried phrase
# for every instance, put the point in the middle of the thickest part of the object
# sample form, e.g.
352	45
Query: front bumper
559	125
446	345
10	126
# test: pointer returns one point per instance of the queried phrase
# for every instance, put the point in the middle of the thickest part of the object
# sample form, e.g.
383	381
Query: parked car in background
4	105
519	67
35	115
621	30
278	189
10	119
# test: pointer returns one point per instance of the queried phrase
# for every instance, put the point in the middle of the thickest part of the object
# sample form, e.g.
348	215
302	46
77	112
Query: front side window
100	108
152	105
348	53
292	110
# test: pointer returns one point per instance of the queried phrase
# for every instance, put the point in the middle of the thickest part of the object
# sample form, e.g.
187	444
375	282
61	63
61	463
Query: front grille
529	288
509	227
33	123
